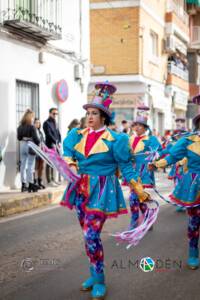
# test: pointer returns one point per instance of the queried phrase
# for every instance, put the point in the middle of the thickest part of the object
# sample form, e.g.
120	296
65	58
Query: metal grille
27	96
46	14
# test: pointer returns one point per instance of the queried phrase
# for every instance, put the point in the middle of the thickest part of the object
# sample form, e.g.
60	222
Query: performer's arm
165	151
176	153
122	155
155	144
68	148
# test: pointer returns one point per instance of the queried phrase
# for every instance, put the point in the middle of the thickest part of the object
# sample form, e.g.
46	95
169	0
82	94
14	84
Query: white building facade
32	65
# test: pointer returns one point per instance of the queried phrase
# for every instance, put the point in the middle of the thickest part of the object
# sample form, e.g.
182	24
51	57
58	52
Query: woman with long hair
73	124
27	132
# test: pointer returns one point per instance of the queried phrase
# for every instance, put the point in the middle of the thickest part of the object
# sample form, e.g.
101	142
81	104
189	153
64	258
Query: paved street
42	257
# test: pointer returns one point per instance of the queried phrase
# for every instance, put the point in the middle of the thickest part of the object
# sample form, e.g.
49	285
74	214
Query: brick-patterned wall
114	40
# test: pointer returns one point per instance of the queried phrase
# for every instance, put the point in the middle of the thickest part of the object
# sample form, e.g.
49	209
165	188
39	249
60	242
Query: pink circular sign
62	91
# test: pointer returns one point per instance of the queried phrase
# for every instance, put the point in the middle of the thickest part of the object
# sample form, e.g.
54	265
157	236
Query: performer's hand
151	167
139	190
144	197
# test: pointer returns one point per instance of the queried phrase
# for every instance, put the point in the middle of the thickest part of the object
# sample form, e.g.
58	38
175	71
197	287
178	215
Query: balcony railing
40	19
178	71
178	9
195	35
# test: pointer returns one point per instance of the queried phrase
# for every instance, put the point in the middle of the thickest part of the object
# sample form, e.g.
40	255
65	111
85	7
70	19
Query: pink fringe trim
148	186
96	212
183	203
104	214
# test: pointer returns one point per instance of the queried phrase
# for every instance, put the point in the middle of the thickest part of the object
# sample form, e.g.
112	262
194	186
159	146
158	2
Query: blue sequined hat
180	124
142	116
103	97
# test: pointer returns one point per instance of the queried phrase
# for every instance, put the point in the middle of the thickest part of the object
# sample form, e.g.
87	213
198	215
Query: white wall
20	61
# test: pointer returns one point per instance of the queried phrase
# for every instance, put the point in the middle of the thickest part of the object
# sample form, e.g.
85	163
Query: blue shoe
87	285
99	287
193	260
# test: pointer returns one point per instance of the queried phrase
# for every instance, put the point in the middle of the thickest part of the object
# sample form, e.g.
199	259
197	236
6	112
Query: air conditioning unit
98	70
78	72
168	91
170	44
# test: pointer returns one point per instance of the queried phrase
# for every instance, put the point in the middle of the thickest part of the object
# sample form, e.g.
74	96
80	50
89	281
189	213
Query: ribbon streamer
55	161
134	236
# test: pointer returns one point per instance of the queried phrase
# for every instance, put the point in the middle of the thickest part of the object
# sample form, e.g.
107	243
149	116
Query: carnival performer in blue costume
96	153
187	191
177	169
141	144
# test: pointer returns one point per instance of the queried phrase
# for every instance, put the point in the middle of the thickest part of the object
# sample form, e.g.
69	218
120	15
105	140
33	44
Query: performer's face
139	129
94	119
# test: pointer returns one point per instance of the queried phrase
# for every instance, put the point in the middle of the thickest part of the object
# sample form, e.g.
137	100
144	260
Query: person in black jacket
27	132
52	139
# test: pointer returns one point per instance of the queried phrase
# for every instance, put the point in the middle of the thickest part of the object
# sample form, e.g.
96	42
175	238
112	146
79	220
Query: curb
21	203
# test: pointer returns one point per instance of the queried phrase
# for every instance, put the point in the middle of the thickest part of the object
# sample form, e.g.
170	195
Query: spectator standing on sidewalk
74	124
83	122
52	140
39	165
27	132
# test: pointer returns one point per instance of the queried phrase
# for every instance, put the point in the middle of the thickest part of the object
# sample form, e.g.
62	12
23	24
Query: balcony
195	37
177	20
177	7
178	71
37	20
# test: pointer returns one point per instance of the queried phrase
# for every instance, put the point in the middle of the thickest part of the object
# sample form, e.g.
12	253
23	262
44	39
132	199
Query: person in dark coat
52	139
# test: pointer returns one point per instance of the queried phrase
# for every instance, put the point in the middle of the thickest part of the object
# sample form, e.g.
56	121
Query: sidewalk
13	201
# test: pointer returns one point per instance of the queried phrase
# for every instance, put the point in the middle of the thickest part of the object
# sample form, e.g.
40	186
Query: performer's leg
79	210
88	283
193	235
134	206
92	229
143	207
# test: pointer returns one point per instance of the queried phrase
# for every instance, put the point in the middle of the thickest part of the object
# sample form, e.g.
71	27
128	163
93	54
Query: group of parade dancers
97	154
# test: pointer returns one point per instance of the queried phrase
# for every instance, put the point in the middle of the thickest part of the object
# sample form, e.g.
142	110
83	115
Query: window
27	96
153	44
123	114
